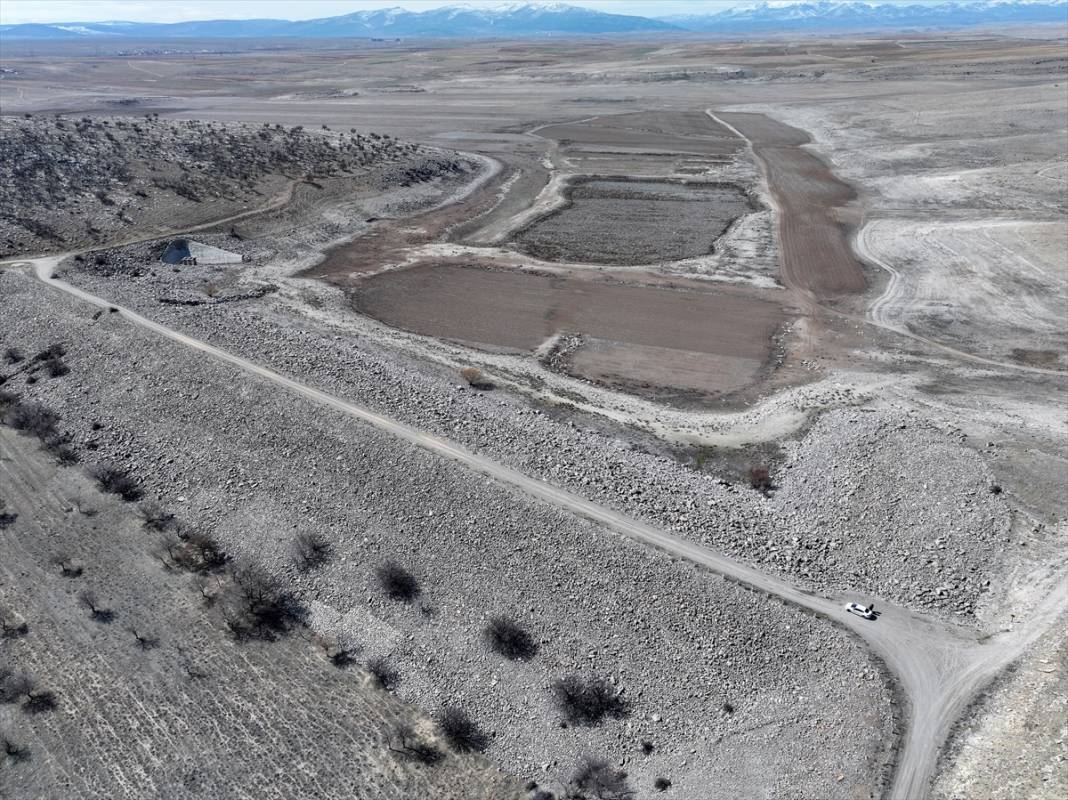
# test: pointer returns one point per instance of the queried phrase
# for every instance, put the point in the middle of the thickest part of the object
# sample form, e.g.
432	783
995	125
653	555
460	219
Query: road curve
939	667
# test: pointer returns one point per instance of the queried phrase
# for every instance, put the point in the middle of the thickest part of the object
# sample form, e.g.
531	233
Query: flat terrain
717	340
634	222
840	376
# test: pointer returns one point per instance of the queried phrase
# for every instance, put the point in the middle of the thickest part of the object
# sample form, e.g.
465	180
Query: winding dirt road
939	667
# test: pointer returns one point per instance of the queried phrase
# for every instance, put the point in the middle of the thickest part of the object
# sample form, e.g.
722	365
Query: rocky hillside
67	182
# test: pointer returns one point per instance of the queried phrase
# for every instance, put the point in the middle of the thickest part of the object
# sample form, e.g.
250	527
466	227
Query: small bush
397	582
155	516
588	702
14	685
508	638
311	550
68	567
7	519
407	743
461	732
13	750
31	419
115	480
40	702
98	612
662	784
264	610
383	674
595	777
12	355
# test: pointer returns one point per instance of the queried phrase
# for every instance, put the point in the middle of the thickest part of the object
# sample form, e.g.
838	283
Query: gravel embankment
874	502
255	466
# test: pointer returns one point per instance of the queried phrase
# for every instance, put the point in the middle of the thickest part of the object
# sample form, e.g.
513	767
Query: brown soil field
643	334
691	132
634	222
816	255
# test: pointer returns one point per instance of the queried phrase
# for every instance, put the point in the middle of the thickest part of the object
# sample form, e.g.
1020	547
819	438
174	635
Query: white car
868	612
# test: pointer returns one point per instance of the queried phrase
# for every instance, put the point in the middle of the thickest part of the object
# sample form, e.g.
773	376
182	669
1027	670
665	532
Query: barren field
573	385
634	222
716	341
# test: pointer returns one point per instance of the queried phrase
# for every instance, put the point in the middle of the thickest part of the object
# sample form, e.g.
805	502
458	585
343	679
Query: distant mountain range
559	19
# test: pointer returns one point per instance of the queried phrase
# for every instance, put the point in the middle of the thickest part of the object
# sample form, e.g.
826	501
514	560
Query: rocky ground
66	181
714	674
914	487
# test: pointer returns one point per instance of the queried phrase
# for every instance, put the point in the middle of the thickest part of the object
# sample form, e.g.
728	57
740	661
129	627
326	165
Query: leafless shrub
508	638
40	702
760	479
397	582
98	611
595	777
409	744
383	674
144	640
311	550
12	750
60	448
197	552
461	732
155	516
339	649
473	375
588	702
32	419
264	611
662	784
115	480
14	685
12	355
7	518
68	567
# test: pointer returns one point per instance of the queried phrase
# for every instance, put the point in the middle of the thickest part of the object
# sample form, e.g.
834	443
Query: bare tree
68	567
144	640
97	610
409	744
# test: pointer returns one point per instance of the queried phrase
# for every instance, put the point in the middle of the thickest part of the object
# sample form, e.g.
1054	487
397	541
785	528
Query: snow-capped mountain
515	19
830	15
561	19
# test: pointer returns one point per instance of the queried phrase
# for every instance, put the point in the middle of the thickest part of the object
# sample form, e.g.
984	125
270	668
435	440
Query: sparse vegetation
310	550
261	609
588	701
662	784
409	744
115	480
155	516
397	582
596	778
460	731
98	611
507	637
383	674
12	750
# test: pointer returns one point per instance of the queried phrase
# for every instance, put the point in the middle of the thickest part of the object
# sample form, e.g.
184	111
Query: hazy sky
13	11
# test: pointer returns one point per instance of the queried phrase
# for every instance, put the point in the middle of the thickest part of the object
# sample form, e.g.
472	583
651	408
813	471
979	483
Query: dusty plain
672	264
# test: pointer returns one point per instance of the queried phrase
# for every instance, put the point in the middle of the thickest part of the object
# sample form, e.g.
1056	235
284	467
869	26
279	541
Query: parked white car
868	612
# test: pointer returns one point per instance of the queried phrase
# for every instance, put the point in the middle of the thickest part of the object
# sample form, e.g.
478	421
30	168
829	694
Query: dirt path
940	668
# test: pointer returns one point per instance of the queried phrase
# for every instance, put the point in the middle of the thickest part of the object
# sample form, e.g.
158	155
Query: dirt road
939	667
